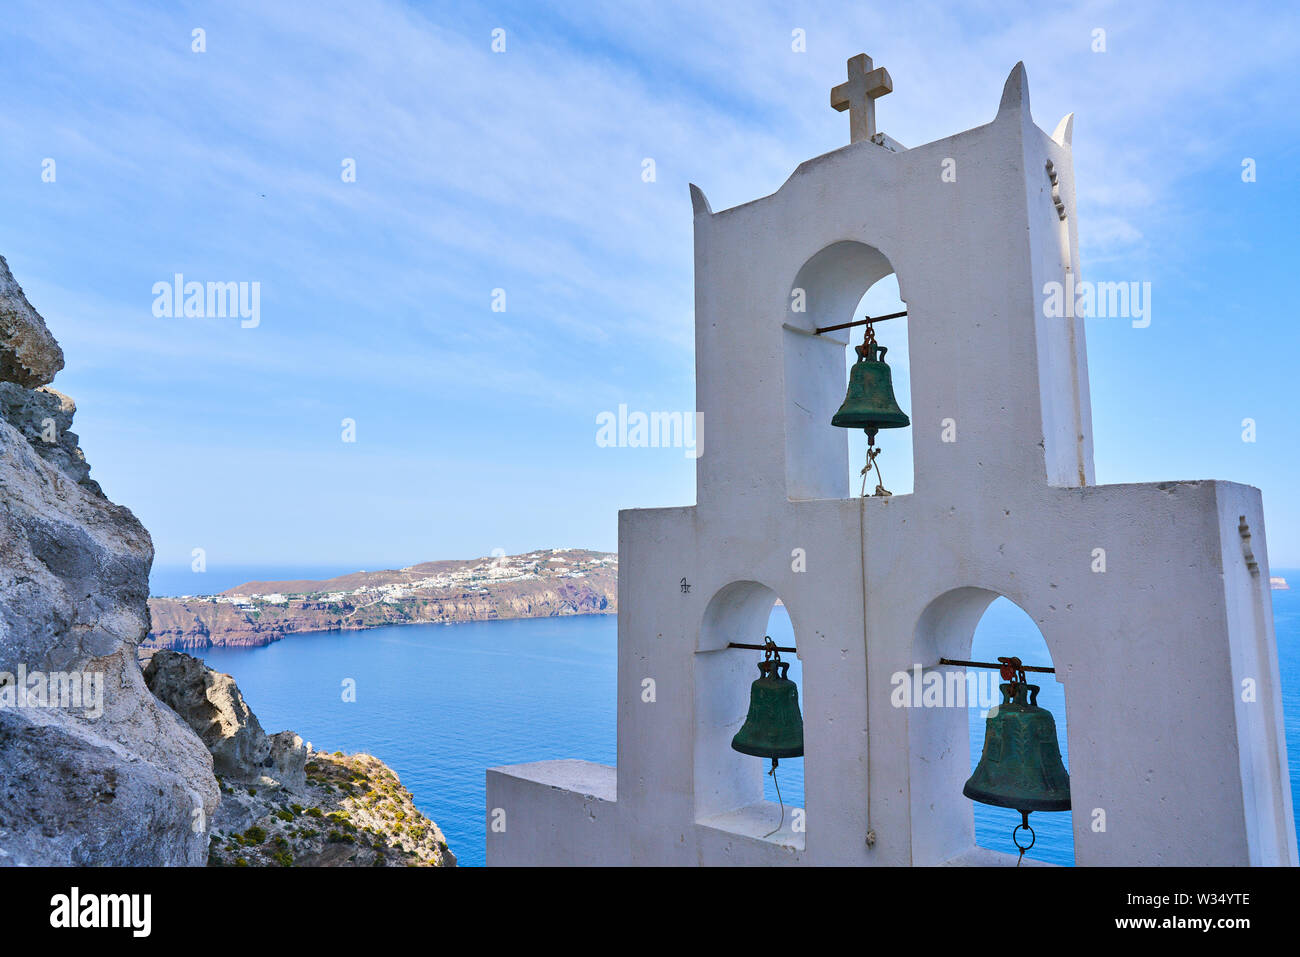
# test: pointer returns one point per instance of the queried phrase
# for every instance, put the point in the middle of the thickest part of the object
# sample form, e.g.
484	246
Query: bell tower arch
825	292
938	700
729	785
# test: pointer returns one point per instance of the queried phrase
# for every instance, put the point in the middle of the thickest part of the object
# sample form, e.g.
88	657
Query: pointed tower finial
1015	94
1064	130
699	202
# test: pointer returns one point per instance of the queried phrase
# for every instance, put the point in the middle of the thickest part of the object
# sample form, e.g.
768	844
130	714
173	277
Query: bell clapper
1023	826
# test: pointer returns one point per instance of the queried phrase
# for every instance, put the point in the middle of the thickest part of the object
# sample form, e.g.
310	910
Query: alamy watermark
127	911
923	688
651	430
68	690
213	300
1098	300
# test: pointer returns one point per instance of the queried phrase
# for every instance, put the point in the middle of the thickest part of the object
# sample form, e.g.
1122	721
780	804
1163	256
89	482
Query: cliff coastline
538	584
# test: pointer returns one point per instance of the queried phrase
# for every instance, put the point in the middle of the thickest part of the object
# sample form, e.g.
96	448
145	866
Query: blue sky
522	171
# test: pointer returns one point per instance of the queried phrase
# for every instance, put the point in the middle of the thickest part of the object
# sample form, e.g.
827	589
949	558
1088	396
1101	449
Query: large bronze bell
870	403
773	727
1021	766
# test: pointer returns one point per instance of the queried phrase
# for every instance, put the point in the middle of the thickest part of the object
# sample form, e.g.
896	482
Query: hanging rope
872	454
881	491
862	537
777	785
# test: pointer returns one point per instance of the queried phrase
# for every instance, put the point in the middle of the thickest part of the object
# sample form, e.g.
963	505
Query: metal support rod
860	322
995	667
737	644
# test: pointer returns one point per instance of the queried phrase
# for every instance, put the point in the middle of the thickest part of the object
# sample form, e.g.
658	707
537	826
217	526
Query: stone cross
858	96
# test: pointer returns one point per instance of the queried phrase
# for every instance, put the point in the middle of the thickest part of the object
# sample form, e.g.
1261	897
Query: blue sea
441	703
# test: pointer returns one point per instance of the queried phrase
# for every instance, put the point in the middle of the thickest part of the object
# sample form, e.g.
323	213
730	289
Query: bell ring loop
1015	840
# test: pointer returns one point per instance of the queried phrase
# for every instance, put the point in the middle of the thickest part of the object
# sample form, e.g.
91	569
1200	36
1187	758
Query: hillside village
543	583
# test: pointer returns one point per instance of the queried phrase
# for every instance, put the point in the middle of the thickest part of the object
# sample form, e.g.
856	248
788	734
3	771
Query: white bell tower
1154	645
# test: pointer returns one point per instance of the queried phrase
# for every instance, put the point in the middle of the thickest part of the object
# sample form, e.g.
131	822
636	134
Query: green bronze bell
1021	766
773	727
870	403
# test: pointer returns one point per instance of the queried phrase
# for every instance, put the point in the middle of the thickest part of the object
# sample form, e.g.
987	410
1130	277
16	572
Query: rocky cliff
538	584
283	804
93	768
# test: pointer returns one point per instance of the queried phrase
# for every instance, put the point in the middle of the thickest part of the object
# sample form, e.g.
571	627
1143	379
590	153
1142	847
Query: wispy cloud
522	171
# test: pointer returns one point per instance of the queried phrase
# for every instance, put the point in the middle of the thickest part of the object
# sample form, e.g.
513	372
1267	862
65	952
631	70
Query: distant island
540	584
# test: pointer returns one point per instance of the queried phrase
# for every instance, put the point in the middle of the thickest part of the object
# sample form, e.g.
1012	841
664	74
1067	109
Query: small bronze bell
773	727
870	403
1021	765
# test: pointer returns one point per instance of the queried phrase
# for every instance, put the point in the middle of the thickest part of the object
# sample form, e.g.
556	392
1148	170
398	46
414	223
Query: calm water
441	703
